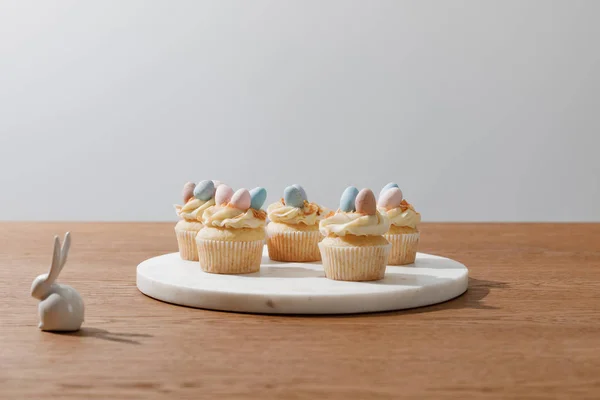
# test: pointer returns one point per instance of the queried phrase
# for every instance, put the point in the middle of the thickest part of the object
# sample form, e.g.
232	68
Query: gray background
480	110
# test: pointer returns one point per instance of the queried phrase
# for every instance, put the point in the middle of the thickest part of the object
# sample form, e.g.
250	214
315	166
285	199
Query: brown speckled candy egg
188	191
223	194
241	199
365	202
391	198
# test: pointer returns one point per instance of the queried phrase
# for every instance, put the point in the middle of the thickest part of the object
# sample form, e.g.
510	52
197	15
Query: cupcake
233	236
403	233
196	200
293	231
354	248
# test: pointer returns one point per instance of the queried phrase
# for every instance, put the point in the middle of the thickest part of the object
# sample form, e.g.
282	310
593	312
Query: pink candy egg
241	199
223	194
391	198
365	202
188	191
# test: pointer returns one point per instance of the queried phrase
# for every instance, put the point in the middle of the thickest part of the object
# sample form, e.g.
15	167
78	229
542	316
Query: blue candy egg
293	197
348	198
205	190
388	186
258	196
302	192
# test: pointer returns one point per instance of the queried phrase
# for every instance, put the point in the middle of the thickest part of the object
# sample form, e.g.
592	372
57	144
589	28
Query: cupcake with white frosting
233	236
196	199
354	248
404	220
293	231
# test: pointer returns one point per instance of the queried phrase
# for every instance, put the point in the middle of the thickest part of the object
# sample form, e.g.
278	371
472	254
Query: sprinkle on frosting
406	206
404	215
309	214
260	214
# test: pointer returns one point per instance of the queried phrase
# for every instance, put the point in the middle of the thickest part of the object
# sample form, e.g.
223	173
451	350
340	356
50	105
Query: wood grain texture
528	327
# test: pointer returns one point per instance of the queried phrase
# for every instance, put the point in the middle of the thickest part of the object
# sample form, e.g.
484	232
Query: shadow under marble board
301	288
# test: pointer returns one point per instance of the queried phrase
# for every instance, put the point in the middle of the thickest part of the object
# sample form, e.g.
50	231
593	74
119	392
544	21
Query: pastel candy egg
348	198
258	196
241	200
365	202
302	192
293	197
188	191
223	194
391	198
205	190
216	183
386	187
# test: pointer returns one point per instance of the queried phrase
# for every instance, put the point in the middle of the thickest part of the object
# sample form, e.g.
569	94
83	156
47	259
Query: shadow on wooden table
106	335
473	298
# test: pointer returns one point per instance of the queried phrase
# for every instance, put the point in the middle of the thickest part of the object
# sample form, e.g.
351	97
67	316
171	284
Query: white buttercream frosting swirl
405	215
193	209
342	224
310	214
231	217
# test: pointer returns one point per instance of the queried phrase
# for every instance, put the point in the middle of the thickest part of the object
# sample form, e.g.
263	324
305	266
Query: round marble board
301	288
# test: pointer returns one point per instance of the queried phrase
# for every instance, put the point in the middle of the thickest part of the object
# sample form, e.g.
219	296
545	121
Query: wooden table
528	327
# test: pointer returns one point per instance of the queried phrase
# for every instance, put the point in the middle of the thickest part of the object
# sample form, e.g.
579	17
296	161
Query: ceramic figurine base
301	288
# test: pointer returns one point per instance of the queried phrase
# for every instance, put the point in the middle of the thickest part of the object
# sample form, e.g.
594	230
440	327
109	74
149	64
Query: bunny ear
64	252
55	266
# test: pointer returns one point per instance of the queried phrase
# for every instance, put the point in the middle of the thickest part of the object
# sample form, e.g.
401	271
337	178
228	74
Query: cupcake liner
294	246
229	257
187	244
404	248
366	263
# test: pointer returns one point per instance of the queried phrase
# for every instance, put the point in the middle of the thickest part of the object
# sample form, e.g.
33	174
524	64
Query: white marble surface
301	288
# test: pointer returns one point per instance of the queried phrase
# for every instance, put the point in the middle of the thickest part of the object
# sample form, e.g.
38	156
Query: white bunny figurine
61	308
